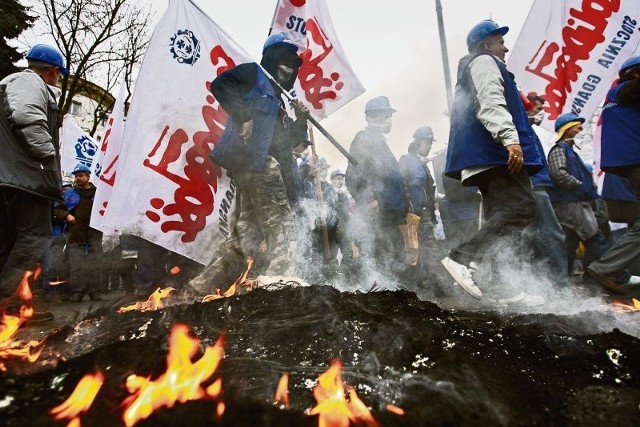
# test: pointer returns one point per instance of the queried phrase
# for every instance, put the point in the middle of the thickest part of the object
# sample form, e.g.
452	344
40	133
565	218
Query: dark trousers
388	241
85	268
509	206
25	230
595	247
627	248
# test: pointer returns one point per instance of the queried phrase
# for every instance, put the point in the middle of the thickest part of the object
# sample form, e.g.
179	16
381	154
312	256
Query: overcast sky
394	49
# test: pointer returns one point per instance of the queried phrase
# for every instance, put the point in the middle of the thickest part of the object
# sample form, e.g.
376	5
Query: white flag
105	165
325	79
569	52
77	146
168	191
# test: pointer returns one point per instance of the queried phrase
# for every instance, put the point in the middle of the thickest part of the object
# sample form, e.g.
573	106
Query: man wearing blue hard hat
29	163
84	242
376	185
620	155
256	149
491	146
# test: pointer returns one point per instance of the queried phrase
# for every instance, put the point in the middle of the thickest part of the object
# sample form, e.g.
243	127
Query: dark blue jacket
231	151
616	187
577	169
620	134
418	184
377	176
541	180
470	143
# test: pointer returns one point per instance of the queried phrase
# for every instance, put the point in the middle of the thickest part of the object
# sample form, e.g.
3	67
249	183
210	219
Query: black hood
281	54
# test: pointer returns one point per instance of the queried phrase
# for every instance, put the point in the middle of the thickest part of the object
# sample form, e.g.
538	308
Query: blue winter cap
279	39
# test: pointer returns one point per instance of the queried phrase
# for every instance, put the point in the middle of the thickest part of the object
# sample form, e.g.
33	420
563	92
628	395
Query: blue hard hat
567	118
424	132
279	39
81	168
49	55
379	103
337	172
629	63
482	30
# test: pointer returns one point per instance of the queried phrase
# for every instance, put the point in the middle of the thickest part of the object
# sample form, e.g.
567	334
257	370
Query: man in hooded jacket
256	149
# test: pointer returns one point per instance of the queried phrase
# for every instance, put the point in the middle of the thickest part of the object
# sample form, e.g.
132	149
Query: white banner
77	147
105	165
325	79
569	52
167	190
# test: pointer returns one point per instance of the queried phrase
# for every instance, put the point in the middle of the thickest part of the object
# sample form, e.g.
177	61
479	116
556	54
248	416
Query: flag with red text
569	52
325	80
167	189
103	170
77	146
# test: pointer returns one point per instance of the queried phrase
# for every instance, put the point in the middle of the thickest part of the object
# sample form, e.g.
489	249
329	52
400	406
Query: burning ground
433	366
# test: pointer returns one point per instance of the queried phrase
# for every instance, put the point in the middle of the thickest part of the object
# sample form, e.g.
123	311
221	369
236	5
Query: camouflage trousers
263	231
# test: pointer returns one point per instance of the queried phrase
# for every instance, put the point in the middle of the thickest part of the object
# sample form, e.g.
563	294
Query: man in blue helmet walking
256	149
620	155
29	163
491	146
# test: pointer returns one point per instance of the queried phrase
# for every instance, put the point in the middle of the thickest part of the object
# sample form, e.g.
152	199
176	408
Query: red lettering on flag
311	74
583	31
197	182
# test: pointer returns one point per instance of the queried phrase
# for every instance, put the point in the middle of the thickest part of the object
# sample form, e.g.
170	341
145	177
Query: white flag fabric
77	146
569	52
325	79
167	190
103	171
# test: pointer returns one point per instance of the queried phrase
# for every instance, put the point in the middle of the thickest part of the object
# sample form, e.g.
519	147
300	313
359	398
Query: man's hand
302	112
516	159
246	131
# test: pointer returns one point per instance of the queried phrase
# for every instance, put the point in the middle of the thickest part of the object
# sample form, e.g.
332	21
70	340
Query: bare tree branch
100	40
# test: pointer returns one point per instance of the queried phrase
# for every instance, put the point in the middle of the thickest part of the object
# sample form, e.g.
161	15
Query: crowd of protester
503	201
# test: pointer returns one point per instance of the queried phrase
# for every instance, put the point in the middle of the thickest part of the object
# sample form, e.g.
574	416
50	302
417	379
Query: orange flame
282	392
10	324
174	270
395	409
626	308
80	400
154	302
233	289
58	283
334	408
182	380
24	291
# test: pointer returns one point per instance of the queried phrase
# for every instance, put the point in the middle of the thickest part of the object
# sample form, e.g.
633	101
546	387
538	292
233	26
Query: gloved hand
246	130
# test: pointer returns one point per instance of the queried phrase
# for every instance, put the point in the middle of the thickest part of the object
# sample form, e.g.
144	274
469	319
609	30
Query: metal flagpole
445	55
313	121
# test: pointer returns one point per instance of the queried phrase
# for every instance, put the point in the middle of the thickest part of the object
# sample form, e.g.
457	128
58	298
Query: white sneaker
463	276
523	299
633	280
